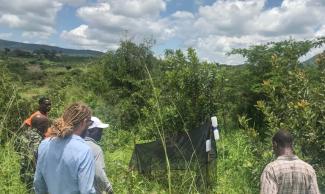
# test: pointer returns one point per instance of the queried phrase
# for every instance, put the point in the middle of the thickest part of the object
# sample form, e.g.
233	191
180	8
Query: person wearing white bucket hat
92	137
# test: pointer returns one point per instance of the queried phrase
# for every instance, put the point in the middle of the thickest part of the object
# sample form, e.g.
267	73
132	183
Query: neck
286	152
77	131
43	112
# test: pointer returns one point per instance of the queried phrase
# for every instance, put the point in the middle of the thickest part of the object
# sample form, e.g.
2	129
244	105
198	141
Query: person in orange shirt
44	108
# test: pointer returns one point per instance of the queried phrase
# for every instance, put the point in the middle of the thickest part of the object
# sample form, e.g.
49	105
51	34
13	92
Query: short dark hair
40	122
42	99
283	138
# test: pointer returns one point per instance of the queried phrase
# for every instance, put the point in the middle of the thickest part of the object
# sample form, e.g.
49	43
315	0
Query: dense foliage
144	98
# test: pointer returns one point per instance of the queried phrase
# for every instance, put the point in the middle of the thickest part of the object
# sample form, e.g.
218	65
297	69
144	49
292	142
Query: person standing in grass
287	174
44	108
27	144
65	163
93	136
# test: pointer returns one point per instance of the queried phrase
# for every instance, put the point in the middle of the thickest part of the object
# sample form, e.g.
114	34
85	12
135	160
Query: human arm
100	174
40	186
313	185
268	184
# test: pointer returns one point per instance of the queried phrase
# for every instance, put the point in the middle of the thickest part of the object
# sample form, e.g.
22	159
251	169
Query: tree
188	94
290	100
261	67
125	85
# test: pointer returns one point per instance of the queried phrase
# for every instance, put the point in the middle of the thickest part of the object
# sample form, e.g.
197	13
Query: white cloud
228	24
229	17
215	47
320	31
108	21
293	17
33	17
183	15
85	38
11	20
213	30
75	3
137	8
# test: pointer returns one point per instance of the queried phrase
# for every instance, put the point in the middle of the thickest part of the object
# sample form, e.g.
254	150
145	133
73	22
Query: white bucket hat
97	123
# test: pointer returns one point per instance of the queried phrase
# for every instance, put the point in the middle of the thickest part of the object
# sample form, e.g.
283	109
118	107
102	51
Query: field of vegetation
142	96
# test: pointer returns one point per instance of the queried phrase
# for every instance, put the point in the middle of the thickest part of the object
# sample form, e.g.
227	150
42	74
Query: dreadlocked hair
72	117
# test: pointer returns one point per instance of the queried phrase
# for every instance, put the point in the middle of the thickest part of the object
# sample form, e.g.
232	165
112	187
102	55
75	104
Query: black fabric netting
184	150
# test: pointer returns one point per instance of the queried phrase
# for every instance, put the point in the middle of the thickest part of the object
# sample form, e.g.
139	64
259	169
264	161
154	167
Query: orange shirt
29	120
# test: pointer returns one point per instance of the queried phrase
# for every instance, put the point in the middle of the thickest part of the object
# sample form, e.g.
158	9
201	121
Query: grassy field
232	169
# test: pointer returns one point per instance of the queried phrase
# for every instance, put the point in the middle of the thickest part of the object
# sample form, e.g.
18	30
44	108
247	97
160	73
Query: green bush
291	99
9	171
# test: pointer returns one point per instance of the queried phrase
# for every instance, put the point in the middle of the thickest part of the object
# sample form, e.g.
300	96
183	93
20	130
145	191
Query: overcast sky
213	27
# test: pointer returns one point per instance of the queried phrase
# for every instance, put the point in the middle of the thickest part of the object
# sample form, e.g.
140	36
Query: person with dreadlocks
65	163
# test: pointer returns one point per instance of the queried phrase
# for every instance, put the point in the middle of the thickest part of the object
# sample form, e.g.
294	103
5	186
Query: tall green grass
10	182
236	171
234	168
235	164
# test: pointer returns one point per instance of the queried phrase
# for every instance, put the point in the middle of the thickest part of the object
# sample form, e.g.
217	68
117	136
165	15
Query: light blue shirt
64	166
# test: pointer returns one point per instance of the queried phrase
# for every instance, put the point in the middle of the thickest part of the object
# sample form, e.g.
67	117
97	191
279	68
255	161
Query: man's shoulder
276	164
73	142
305	165
45	141
79	144
89	140
270	166
44	145
93	145
279	164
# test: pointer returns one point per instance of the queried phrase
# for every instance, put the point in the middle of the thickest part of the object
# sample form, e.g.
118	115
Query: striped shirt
289	175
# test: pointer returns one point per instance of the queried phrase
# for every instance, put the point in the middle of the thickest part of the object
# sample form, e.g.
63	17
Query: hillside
32	47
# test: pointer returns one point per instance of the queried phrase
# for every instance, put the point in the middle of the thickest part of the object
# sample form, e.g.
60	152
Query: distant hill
32	47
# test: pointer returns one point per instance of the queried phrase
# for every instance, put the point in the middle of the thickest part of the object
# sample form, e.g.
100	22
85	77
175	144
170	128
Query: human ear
275	145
